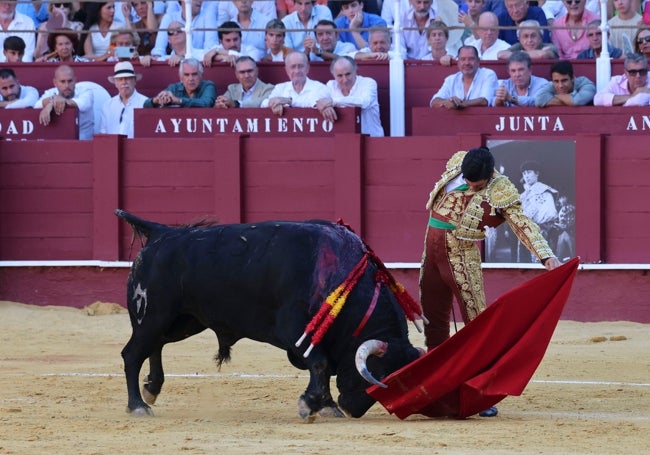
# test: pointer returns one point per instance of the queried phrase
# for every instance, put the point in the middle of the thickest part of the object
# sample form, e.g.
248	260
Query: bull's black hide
263	281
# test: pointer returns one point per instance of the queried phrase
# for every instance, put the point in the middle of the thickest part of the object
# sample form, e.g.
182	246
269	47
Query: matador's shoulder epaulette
501	192
456	160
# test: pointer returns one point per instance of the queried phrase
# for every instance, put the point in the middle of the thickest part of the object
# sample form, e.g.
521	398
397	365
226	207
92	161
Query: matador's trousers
450	267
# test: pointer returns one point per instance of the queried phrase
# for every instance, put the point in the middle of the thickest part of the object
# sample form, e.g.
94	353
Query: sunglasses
645	39
574	2
174	32
642	72
63	5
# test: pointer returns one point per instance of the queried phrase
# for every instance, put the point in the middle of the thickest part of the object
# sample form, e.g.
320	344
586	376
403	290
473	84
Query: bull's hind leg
154	380
317	398
134	354
184	327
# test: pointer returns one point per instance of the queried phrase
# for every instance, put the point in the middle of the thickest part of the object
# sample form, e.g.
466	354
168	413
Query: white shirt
363	94
226	10
291	21
310	94
84	101
491	52
117	117
28	97
206	38
246	49
341	48
21	22
484	85
415	41
254	38
100	42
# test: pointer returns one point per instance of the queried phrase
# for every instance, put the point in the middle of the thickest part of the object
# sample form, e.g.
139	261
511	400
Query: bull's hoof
305	412
149	397
141	411
330	411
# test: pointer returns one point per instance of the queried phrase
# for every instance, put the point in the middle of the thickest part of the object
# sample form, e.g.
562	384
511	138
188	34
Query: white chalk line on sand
304	376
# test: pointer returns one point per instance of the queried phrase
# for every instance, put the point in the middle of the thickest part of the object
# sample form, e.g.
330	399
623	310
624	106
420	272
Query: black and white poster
544	173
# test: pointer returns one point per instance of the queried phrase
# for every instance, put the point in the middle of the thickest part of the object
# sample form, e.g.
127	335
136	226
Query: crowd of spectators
297	32
561	29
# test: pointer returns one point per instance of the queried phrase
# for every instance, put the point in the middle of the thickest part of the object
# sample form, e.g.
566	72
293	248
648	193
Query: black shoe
492	411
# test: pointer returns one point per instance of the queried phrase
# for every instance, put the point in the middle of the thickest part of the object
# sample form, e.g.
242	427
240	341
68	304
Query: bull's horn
374	347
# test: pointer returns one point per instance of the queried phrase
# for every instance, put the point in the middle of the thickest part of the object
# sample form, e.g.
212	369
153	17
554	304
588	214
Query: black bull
263	281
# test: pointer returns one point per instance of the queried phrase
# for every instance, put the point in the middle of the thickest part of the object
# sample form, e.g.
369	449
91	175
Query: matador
470	196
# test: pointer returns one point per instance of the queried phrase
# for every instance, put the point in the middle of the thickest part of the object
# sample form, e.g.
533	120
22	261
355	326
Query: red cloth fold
492	357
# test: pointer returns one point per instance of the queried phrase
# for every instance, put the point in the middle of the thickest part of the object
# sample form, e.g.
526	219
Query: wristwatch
237	103
514	99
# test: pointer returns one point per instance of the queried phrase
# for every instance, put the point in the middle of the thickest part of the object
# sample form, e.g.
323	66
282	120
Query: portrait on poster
544	174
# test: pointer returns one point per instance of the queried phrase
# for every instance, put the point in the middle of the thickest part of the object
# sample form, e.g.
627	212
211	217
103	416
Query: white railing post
396	76
189	49
603	64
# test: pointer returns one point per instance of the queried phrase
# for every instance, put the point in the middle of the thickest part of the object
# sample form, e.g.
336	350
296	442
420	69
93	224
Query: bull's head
374	359
373	347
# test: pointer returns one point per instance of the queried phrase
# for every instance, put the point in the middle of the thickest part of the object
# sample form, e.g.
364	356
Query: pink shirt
561	37
616	86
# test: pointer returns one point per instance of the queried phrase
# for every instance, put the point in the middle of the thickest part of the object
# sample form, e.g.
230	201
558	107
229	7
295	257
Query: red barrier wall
421	79
58	198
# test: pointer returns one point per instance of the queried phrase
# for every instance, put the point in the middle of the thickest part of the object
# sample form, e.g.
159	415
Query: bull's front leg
317	397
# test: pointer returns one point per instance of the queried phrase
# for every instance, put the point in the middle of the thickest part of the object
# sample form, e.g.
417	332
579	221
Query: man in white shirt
66	95
379	46
252	23
226	10
11	20
418	18
348	89
471	86
300	91
117	113
300	24
274	37
327	45
204	28
489	44
14	95
230	46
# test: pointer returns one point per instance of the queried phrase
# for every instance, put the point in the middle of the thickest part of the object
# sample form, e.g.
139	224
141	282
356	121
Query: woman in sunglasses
569	33
642	42
60	18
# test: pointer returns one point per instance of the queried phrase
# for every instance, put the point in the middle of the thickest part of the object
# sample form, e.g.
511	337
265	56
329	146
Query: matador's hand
552	263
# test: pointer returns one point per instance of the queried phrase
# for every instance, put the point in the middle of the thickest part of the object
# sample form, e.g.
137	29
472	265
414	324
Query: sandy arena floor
62	391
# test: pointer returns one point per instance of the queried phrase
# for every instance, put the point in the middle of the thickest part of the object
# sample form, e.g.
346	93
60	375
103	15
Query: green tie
463	187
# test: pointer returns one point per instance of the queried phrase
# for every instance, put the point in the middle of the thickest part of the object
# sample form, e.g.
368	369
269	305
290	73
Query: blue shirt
369	20
614	52
534	13
537	84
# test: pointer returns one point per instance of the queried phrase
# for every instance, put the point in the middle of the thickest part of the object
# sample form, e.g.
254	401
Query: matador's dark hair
478	164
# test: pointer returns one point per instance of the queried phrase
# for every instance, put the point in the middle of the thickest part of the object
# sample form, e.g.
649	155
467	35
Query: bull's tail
142	228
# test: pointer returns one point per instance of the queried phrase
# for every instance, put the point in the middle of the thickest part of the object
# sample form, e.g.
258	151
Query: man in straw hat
117	114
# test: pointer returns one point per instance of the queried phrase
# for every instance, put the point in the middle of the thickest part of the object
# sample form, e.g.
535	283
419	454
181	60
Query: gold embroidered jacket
471	212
